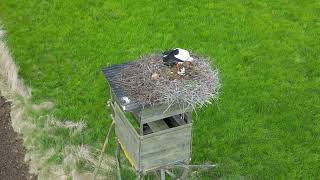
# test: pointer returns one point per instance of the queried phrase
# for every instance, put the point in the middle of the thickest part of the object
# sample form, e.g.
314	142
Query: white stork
177	57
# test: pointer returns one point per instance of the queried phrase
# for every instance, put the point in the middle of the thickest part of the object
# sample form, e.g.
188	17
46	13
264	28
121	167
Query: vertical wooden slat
127	135
164	146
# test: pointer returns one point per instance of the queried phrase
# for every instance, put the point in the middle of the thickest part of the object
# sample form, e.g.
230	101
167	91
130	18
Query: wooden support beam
179	120
118	160
163	174
158	125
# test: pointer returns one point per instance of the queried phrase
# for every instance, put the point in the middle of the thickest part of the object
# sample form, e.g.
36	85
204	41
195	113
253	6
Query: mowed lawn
266	122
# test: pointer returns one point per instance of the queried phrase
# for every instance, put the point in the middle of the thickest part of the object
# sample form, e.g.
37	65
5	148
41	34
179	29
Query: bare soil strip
12	152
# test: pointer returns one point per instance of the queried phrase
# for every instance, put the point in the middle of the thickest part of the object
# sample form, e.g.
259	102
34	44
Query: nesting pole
154	138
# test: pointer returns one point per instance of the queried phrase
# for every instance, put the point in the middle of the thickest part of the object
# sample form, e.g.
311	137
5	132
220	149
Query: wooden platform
164	133
163	146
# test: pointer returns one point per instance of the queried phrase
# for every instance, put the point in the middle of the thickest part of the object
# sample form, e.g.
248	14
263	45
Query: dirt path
12	165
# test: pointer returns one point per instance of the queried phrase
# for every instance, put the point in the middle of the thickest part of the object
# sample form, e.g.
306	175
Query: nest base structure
162	138
149	82
159	152
160	172
154	137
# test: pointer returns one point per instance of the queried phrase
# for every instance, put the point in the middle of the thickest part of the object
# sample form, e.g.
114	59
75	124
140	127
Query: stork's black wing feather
169	58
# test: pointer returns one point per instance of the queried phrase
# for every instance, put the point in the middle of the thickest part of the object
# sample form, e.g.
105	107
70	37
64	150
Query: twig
103	150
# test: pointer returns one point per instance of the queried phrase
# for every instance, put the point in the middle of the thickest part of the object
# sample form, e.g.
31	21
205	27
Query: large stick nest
197	87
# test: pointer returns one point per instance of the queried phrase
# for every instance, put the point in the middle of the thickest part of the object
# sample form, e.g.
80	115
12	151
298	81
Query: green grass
265	124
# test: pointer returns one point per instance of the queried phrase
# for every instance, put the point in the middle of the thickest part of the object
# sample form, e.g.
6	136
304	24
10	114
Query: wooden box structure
162	135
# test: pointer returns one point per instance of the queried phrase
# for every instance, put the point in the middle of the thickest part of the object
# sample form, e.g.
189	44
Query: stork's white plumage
177	57
183	55
174	56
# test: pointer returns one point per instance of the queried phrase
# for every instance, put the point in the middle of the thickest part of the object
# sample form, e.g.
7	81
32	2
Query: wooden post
103	150
184	174
140	175
163	174
118	159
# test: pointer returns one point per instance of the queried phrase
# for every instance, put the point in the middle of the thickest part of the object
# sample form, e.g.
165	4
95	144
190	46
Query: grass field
265	124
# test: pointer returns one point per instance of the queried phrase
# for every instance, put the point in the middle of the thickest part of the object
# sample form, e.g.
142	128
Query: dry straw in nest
148	81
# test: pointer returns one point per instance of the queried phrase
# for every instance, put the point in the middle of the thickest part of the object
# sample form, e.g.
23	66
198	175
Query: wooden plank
166	131
130	137
189	120
127	135
137	116
183	119
163	159
189	116
123	117
163	149
166	141
179	120
131	145
158	125
162	174
154	113
156	149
